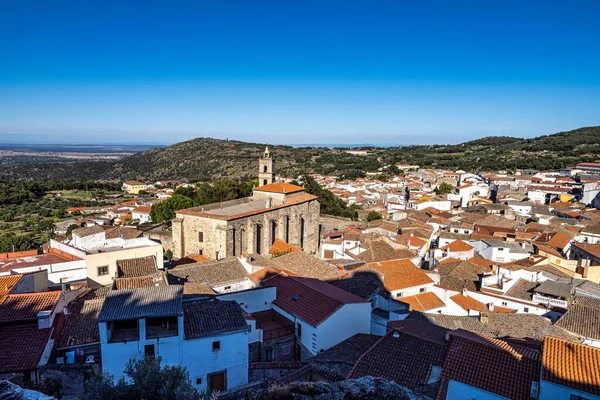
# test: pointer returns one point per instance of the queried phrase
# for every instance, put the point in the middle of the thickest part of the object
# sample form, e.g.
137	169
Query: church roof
280	187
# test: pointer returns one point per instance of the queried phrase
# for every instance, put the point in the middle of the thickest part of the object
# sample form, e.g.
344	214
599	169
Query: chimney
43	318
491	306
484	318
269	203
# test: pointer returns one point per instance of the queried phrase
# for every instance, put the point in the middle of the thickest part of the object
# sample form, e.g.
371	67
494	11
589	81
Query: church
276	210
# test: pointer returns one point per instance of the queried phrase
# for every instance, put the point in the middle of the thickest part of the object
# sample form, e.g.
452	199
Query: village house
133	187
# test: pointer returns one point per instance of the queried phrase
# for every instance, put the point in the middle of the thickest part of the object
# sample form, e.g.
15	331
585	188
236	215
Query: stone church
276	210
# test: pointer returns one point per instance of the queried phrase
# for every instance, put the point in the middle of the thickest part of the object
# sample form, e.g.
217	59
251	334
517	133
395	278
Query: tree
165	211
168	255
444	188
147	380
374	215
70	228
330	204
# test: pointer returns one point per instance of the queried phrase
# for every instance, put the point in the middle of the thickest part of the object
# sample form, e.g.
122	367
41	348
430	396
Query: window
299	330
216	346
500	248
525	309
201	237
422	290
398	295
265	168
103	270
249	328
264	182
149	350
200	252
269	355
505	304
198	381
227	287
577	397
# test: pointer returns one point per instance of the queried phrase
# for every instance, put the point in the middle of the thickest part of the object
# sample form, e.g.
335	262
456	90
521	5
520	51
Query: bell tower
266	173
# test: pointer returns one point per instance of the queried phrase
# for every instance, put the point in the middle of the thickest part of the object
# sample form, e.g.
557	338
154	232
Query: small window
198	381
200	252
500	248
227	287
216	346
103	270
398	295
525	309
299	330
149	350
505	304
269	355
249	328
422	290
201	237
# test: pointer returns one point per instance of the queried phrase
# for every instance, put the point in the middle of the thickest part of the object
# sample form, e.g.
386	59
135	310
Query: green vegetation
374	215
165	211
444	188
147	380
206	159
330	204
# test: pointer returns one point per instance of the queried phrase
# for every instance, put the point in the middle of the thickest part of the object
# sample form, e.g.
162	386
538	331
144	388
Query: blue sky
295	72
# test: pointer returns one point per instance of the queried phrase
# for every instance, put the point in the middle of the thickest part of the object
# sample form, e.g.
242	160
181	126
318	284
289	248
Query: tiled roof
380	250
582	317
469	303
155	301
25	307
457	246
135	267
348	351
422	329
362	281
197	289
81	324
499	325
490	364
87	231
460	275
306	265
571	364
400	274
203	318
496	222
143	210
8	282
22	347
523	290
280	187
280	247
215	273
402	357
593	249
156	279
423	301
125	232
310	299
133	183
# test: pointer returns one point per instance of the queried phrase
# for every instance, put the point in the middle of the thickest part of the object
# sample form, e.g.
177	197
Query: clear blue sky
286	71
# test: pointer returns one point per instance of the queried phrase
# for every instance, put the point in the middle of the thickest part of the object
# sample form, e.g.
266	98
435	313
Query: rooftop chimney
43	318
484	318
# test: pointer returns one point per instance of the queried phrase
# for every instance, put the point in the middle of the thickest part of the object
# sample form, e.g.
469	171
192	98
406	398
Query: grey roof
514	247
215	273
150	302
562	289
212	317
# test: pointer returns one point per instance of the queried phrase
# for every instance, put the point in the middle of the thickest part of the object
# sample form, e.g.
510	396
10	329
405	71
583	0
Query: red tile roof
457	246
422	302
310	299
280	187
280	247
571	364
25	307
22	347
7	283
400	274
489	364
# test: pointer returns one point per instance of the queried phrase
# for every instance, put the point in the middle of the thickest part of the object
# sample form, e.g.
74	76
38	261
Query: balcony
550	302
273	325
157	328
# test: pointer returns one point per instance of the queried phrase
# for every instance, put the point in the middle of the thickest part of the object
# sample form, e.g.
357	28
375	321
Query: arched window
265	168
264	181
258	233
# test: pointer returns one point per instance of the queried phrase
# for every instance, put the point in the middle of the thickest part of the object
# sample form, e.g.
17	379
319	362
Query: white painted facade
461	391
143	217
554	391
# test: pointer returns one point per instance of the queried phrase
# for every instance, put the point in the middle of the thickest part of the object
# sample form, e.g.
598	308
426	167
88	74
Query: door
216	382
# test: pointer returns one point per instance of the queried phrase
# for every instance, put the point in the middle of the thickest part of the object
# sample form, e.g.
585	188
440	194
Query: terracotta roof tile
280	247
571	364
490	364
280	187
8	282
25	307
400	274
423	302
310	299
306	265
22	347
136	267
457	246
156	279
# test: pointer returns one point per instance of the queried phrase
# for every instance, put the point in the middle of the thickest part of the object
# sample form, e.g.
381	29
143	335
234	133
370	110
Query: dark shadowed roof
523	290
155	301
212	317
22	347
401	357
81	324
348	351
490	364
363	282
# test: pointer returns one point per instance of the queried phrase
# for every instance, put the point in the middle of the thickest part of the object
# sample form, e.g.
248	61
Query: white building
324	315
500	251
142	214
207	337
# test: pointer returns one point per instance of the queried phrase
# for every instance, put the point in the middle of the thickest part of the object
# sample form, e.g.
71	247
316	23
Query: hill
204	159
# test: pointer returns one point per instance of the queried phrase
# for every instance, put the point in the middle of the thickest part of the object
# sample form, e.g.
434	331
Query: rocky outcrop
10	391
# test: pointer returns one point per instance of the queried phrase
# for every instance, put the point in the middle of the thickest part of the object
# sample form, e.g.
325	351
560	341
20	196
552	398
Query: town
442	284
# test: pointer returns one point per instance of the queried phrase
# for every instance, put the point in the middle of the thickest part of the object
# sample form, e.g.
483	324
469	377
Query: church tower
266	173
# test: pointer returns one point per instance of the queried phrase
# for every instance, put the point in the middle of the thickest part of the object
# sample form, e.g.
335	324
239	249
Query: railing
278	332
550	301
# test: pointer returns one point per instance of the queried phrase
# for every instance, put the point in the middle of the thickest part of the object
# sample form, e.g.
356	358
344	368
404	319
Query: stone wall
71	376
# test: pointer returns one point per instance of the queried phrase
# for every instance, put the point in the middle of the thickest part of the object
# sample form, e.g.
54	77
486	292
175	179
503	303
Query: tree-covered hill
205	159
